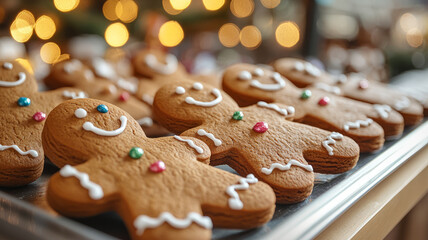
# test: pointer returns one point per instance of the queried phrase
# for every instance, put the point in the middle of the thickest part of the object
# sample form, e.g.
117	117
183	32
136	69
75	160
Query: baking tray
25	214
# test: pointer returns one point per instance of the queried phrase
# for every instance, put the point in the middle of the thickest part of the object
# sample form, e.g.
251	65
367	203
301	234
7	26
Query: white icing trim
22	77
143	221
80	113
33	153
180	90
202	132
147	99
127	85
308	67
234	200
330	140
258	72
282	167
357	124
73	95
342	78
283	111
191	144
95	190
169	67
198	86
402	103
71	66
8	65
327	88
103	68
383	110
245	75
298	66
88	126
145	122
280	83
212	103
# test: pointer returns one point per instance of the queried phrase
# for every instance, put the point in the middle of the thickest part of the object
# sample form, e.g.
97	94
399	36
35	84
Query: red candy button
157	167
363	84
260	127
324	101
124	96
39	116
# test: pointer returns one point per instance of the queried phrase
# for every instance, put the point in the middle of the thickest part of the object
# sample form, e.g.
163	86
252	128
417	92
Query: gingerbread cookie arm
84	190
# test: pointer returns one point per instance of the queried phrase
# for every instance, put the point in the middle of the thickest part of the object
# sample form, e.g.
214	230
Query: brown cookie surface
255	140
315	107
23	115
115	90
303	74
162	188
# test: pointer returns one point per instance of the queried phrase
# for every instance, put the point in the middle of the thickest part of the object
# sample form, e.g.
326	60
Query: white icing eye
258	72
198	86
80	113
8	65
299	66
244	75
180	90
150	59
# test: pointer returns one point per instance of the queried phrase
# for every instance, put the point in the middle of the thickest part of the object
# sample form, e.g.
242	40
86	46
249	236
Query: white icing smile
168	68
212	103
280	83
21	75
88	126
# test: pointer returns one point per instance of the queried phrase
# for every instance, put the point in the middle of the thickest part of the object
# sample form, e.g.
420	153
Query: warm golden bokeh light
45	27
229	35
213	5
414	37
66	5
408	21
109	9
270	3
242	8
126	10
180	4
169	9
26	64
62	57
50	52
171	34
287	34
21	28
116	35
250	37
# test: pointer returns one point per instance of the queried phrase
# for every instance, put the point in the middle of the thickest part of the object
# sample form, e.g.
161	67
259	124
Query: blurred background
380	38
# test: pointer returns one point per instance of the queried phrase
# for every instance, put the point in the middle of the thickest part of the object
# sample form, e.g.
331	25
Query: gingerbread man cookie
162	188
303	74
116	91
23	112
255	140
315	107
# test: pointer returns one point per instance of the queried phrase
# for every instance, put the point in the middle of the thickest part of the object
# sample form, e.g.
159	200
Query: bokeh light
26	64
50	52
270	3
116	35
126	10
242	8
287	34
21	28
171	34
45	27
66	5
109	9
213	5
250	37
180	4
408	21
414	37
229	35
169	9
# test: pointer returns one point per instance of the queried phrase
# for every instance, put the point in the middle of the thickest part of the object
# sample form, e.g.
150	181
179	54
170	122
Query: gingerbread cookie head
15	79
185	96
162	188
151	63
69	73
301	72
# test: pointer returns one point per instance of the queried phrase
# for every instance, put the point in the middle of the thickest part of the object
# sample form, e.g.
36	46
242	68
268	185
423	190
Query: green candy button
136	152
306	94
238	115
